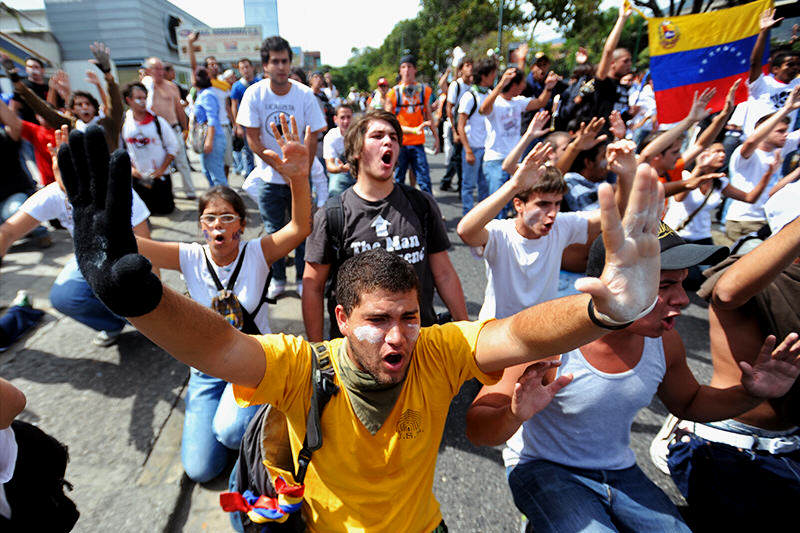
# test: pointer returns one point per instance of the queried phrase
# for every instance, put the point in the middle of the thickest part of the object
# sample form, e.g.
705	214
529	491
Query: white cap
783	207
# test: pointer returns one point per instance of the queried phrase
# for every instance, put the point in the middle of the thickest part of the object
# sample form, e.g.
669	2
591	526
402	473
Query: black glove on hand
10	69
100	194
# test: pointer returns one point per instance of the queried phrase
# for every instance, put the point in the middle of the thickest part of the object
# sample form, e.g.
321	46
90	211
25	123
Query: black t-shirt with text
391	224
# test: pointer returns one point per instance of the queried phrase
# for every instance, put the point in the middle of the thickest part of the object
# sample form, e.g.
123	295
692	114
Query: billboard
226	44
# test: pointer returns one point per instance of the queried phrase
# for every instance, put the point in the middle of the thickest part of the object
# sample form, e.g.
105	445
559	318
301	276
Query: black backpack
271	498
334	217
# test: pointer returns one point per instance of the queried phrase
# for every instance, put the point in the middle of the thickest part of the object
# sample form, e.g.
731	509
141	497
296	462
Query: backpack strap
323	389
235	274
157	124
398	99
334	218
474	107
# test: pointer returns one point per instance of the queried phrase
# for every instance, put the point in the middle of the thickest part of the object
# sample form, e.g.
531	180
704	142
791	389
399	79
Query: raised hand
92	78
102	57
531	395
629	282
59	81
551	80
507	76
696	180
793	102
617	125
730	99
295	162
61	136
99	190
699	109
538	125
532	167
587	136
10	68
775	369
621	157
581	56
768	20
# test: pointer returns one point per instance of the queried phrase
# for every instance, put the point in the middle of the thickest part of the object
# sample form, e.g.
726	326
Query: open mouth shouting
393	361
386	158
668	322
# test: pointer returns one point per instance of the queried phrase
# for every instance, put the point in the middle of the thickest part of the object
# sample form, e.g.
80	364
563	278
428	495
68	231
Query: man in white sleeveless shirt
570	467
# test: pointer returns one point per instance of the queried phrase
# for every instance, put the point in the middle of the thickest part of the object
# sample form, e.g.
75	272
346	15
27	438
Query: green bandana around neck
480	90
371	401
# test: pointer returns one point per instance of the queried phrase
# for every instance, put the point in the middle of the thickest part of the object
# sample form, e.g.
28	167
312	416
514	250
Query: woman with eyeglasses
230	275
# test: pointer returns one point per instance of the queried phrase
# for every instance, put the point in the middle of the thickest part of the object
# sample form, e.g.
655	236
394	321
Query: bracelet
606	322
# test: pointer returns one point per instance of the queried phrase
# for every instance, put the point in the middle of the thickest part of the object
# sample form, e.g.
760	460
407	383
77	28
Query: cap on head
676	253
409	59
382	82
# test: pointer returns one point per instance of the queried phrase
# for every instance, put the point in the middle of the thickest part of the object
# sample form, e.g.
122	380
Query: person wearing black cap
571	464
411	102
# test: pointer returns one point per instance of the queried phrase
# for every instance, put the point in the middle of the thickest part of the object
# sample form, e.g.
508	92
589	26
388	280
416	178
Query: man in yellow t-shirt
374	471
411	102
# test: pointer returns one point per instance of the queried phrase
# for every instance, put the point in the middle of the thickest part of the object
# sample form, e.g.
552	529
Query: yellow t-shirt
363	482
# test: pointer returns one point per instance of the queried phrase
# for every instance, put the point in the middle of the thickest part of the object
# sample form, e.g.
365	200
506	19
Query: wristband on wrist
606	322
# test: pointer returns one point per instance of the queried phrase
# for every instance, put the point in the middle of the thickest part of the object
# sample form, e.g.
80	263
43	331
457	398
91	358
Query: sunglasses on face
225	219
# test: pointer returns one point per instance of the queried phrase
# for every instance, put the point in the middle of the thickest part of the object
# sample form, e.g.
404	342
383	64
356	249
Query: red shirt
39	137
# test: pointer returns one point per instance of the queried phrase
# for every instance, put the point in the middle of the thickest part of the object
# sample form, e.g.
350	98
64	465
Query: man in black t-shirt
36	83
615	63
377	213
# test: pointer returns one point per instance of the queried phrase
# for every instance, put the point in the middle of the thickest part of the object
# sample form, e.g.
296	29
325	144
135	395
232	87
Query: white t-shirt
770	95
260	106
700	225
476	124
222	99
503	126
333	145
746	173
51	202
144	146
8	460
249	284
523	272
455	91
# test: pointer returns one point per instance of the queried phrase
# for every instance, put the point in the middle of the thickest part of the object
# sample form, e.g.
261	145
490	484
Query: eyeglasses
227	218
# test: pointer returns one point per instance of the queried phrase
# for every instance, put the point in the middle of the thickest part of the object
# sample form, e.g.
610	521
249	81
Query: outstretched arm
697	113
604	66
765	23
793	102
708	135
100	192
588	136
488	103
625	291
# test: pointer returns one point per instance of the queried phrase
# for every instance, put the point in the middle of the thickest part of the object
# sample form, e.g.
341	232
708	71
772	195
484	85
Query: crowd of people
593	221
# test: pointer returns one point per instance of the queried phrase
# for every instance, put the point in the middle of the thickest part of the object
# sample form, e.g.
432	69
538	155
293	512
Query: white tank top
588	423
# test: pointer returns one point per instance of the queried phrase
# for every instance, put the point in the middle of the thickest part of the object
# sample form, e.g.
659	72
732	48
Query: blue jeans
72	296
556	498
275	203
11	204
243	161
496	177
731	488
212	425
472	176
338	182
413	156
213	164
16	321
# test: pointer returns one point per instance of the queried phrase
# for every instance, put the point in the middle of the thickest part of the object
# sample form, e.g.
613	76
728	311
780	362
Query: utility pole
500	33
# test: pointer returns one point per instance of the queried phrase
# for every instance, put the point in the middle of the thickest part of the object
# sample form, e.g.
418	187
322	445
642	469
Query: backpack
268	490
334	218
398	97
227	304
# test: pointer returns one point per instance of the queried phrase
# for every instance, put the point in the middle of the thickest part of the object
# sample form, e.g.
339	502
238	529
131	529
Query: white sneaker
106	338
659	448
300	289
276	288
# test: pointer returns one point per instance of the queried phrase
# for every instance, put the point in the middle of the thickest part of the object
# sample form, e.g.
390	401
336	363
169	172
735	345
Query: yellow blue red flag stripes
691	52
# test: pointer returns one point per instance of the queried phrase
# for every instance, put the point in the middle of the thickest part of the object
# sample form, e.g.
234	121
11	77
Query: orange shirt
410	108
676	174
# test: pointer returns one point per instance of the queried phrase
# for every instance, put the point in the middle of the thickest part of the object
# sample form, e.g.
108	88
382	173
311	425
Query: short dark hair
343	106
202	78
354	138
551	182
128	89
518	77
226	194
84	94
371	271
300	73
580	162
466	60
542	59
779	57
484	67
35	59
244	60
205	61
766	117
274	44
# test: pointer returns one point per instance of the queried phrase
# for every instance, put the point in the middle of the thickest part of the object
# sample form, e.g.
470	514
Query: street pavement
120	409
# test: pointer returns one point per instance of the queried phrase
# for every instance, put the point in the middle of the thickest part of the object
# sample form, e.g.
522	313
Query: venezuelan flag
691	52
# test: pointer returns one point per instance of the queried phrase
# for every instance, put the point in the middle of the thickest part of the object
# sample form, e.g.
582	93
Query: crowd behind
540	159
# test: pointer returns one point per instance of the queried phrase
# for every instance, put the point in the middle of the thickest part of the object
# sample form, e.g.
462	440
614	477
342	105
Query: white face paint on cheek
370	334
414	332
